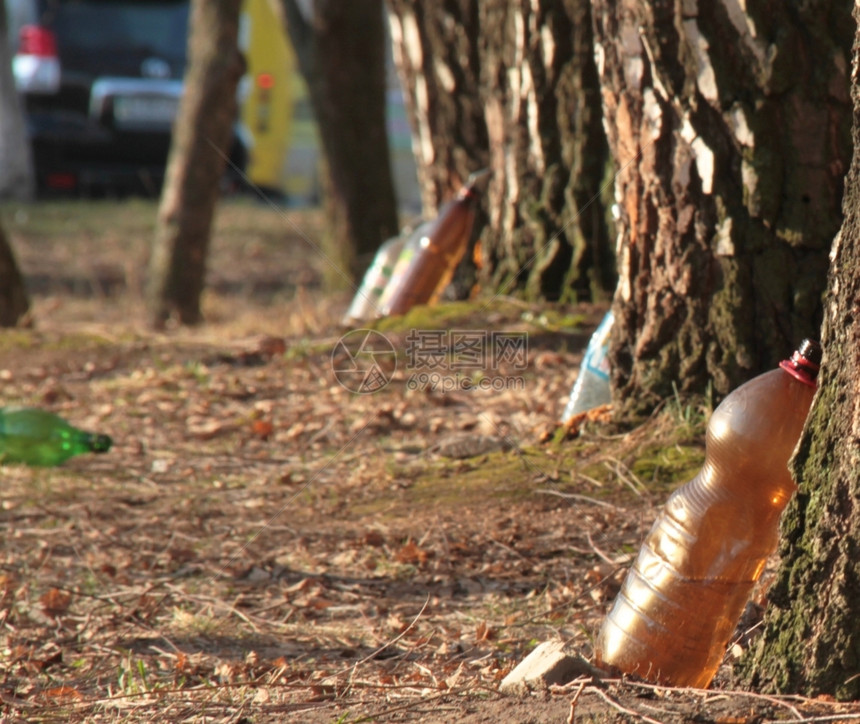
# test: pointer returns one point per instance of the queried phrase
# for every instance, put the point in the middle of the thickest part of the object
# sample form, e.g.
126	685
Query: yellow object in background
285	152
303	162
267	98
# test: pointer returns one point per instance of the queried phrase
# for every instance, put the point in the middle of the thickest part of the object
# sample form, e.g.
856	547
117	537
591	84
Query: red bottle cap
804	363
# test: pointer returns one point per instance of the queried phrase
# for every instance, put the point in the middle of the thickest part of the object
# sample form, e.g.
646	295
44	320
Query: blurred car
101	82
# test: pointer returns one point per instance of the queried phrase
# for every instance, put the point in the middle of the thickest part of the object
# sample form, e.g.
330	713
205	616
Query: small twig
379	715
215	603
627	476
568	604
827	718
509	549
623	561
589	479
713	695
629	712
576	496
571	718
384	646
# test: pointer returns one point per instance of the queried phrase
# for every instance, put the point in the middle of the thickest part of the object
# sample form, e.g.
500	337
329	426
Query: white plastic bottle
367	301
591	388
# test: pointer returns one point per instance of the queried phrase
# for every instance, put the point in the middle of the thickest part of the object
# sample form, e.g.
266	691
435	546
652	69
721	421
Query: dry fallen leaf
374	538
55	602
62	692
206	429
272	346
484	632
601	414
262	429
411	553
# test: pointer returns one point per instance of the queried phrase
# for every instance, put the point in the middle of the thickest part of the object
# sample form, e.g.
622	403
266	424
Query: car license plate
144	110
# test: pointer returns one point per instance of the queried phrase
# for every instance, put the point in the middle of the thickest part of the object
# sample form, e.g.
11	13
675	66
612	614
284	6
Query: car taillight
36	65
61	181
36	40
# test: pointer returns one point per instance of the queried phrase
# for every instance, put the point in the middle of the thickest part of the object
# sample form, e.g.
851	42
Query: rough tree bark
17	180
14	303
435	48
731	134
811	639
340	48
548	230
201	141
512	85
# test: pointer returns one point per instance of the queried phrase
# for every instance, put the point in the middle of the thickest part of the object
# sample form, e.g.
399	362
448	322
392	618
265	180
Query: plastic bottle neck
469	190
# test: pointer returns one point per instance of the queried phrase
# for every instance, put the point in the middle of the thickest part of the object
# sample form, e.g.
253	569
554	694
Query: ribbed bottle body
688	586
37	437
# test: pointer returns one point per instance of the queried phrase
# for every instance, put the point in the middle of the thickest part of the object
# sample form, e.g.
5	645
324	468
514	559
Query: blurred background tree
201	140
17	180
14	302
341	51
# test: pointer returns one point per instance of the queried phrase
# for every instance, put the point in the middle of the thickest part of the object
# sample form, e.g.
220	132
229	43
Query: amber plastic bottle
425	267
681	600
37	437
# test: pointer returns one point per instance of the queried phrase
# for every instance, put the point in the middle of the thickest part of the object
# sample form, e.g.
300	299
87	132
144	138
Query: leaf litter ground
263	545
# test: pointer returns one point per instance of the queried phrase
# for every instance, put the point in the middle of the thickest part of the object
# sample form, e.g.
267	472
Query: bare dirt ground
264	545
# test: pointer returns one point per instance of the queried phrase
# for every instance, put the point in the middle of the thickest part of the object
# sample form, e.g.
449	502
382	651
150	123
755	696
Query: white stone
550	663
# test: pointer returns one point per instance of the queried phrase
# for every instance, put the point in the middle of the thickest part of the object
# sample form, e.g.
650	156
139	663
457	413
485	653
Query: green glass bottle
36	437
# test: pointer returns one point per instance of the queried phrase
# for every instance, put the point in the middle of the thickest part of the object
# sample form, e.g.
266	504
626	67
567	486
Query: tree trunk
14	303
731	135
16	162
512	85
341	52
811	639
436	46
548	233
201	142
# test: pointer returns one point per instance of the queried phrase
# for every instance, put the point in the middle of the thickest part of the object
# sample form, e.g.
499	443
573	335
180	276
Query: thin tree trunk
14	303
731	137
341	52
201	142
811	639
16	162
